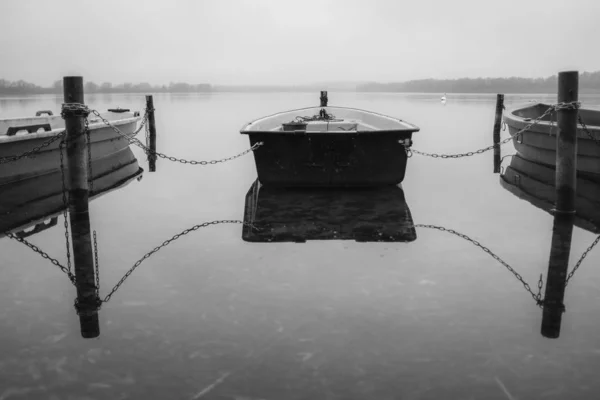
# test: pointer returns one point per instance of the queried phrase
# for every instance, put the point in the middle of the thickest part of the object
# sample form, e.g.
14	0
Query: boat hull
336	159
104	143
538	143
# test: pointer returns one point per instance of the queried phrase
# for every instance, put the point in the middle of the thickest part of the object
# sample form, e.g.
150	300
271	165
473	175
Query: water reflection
298	215
534	183
25	205
28	204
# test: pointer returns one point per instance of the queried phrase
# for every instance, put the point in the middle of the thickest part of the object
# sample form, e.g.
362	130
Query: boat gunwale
520	122
47	134
411	127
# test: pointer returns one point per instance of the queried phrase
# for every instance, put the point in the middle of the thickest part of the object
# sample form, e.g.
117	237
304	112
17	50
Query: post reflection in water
33	205
556	280
535	183
298	215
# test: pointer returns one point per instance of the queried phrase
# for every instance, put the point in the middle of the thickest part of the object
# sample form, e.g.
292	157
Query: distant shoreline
448	94
589	83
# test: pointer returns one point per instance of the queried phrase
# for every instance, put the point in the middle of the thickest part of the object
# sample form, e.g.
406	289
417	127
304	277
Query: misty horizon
293	84
268	42
589	83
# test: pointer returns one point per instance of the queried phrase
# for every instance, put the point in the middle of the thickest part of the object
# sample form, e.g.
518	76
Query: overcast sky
294	41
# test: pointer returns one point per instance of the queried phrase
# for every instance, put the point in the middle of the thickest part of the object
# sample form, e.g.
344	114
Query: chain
65	203
556	107
89	153
585	128
585	253
536	296
5	160
459	155
44	255
97	265
142	124
165	243
138	143
74	110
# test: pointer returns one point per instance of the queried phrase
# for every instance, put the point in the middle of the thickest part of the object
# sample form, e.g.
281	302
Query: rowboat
538	143
33	204
330	147
275	214
21	135
535	183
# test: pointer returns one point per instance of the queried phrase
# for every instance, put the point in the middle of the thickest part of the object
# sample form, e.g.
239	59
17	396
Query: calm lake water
214	317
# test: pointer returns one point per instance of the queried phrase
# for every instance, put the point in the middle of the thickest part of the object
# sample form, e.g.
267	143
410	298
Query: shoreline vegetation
589	82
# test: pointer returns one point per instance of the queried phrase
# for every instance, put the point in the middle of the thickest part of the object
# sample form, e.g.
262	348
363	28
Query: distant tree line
23	87
589	82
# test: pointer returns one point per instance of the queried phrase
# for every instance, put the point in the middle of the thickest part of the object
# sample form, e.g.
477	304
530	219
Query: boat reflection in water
535	183
299	214
32	205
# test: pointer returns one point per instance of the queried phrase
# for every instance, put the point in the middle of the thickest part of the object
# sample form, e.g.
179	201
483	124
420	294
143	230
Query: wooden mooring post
77	162
564	211
497	126
324	98
152	131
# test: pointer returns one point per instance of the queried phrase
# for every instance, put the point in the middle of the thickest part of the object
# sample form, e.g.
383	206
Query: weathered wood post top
152	134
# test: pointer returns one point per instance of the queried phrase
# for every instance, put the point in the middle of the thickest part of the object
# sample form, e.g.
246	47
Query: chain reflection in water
166	243
536	296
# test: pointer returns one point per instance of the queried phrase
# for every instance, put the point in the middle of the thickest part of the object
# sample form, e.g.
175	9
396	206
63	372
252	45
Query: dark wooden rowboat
330	147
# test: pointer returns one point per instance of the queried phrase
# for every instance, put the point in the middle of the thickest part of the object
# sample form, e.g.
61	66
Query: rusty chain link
537	297
138	143
556	107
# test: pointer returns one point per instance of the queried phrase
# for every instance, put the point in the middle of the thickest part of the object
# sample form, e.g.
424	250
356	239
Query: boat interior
54	123
590	117
328	119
